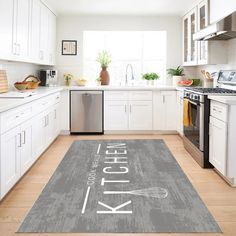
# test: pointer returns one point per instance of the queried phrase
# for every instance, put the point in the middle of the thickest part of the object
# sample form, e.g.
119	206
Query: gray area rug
119	186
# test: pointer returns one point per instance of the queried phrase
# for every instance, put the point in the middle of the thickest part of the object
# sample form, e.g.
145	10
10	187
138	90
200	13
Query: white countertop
230	100
9	103
114	87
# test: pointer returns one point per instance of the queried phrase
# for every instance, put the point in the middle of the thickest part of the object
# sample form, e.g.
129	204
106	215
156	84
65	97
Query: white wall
17	71
73	27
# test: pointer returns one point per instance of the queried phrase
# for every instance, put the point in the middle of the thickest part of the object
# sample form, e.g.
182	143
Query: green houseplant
104	58
177	74
150	77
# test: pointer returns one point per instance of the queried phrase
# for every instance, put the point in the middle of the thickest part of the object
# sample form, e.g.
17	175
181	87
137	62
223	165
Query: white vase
176	79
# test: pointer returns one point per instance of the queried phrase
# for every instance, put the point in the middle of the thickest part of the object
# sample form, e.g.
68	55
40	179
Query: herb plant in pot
104	58
177	75
150	78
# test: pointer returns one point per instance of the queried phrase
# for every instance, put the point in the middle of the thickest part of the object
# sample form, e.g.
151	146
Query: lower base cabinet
165	110
23	144
128	110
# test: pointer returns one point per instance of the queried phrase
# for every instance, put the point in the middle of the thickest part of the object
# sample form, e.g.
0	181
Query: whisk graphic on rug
155	192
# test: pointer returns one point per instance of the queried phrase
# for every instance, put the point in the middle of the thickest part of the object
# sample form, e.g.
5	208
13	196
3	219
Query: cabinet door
44	35
190	46
202	23
220	9
10	159
21	29
38	135
165	110
140	115
26	146
6	23
116	115
170	111
35	31
52	38
218	144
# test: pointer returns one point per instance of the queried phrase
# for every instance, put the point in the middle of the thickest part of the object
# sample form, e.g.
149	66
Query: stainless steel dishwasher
86	112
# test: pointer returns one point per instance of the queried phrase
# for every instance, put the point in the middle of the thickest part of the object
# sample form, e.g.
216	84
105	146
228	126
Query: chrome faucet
126	73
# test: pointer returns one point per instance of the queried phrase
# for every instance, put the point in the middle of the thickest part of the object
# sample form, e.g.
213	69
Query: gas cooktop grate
212	90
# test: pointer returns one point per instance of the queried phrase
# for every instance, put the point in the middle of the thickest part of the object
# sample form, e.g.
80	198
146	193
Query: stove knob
196	97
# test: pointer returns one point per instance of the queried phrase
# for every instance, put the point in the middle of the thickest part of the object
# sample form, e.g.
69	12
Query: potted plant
68	78
150	77
177	75
104	58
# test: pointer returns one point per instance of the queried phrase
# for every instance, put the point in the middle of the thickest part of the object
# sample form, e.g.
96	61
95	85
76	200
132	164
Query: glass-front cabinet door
202	23
190	46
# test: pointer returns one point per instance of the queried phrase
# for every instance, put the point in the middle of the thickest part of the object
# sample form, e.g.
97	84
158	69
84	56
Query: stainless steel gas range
196	132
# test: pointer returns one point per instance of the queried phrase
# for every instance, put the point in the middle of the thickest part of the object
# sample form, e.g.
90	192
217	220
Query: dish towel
187	118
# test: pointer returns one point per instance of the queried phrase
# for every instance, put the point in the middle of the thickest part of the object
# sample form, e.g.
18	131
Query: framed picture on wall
69	47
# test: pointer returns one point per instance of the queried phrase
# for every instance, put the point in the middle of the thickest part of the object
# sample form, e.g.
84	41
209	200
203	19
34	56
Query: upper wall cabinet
28	30
190	46
6	29
220	9
201	52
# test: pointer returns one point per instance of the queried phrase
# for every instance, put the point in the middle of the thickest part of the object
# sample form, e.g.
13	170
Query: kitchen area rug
119	186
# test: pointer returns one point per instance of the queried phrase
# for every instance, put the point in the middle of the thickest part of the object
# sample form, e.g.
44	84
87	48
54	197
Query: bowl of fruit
21	85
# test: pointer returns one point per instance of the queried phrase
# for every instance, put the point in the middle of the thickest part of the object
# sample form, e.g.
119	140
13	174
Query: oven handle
194	103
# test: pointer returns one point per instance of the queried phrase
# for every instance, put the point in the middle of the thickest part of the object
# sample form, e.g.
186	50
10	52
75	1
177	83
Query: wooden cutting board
3	82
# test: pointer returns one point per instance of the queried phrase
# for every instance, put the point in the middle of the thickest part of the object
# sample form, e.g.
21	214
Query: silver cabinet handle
45	121
23	134
19	140
163	99
130	109
125	108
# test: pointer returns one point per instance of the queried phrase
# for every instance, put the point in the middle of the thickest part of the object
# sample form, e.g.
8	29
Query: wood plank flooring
218	196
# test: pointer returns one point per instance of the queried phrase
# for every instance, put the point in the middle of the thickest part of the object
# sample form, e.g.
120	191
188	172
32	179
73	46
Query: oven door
194	132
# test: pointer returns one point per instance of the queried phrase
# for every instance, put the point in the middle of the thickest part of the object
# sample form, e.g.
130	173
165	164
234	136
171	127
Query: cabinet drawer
140	95
219	111
116	95
14	117
44	103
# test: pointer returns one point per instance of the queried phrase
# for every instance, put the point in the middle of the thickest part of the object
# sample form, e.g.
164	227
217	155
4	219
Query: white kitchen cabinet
140	115
21	30
190	46
28	130
26	146
180	98
218	144
165	110
220	9
128	110
10	160
116	115
52	38
6	23
38	137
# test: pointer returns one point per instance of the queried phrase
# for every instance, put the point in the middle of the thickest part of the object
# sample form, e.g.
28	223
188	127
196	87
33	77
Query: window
145	50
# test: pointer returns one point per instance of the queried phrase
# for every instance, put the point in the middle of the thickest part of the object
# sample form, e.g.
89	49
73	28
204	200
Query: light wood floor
217	195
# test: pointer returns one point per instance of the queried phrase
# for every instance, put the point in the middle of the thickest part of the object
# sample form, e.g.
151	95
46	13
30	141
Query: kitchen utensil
155	192
32	82
3	81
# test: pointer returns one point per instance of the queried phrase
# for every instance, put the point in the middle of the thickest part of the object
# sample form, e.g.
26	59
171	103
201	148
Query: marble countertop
9	103
230	100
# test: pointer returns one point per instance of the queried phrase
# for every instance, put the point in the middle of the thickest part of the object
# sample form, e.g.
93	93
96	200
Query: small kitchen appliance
196	133
48	78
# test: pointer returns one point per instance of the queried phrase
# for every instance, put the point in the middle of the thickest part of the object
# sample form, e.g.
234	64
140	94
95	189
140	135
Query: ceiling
121	7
